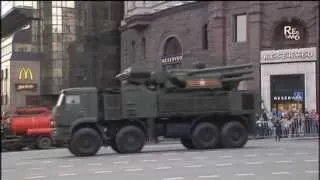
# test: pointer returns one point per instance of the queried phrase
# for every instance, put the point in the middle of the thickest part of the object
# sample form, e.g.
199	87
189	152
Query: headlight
52	123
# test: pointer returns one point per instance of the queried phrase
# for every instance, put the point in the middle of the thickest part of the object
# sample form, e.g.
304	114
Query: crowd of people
295	123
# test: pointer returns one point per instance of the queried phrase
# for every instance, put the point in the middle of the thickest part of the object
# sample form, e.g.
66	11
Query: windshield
60	100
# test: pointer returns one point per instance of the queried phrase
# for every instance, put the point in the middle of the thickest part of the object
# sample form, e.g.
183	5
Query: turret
226	77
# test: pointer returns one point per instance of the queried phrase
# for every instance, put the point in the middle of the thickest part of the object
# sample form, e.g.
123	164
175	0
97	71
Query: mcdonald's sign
25	74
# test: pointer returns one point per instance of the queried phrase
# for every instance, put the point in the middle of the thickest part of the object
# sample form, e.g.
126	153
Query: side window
72	99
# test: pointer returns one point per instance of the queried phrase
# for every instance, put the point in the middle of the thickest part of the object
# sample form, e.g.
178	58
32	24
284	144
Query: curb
173	141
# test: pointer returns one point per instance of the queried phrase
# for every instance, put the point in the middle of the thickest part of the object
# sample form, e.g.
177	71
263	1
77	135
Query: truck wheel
234	135
187	143
205	136
130	139
44	142
85	142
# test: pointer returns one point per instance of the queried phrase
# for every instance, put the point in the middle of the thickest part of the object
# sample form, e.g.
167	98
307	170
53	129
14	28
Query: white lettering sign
291	33
288	55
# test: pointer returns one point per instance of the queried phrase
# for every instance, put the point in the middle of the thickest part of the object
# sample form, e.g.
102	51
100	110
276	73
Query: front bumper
61	135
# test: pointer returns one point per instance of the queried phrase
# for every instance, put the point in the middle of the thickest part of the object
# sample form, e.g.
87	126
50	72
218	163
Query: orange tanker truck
27	127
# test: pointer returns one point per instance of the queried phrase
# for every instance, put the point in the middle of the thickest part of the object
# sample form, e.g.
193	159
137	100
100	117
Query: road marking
133	170
283	162
311	160
311	171
210	176
121	162
225	156
123	156
8	170
194	166
102	172
66	166
94	164
69	174
146	155
46	162
35	177
174	159
200	157
250	155
174	178
73	160
281	172
23	163
149	160
254	163
274	154
163	167
36	168
224	164
245	174
169	154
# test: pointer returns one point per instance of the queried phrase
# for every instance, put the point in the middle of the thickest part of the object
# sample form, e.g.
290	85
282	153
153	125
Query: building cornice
142	21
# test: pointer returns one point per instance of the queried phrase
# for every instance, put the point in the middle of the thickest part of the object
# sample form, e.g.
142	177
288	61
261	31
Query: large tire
234	135
130	139
205	136
85	142
187	143
44	142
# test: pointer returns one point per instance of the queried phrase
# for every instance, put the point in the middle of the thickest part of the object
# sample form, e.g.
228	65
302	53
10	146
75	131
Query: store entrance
288	92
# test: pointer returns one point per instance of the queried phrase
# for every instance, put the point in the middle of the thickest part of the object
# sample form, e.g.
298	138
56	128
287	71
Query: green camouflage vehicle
201	107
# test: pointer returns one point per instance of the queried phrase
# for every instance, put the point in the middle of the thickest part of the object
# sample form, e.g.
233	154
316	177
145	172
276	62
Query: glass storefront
287	92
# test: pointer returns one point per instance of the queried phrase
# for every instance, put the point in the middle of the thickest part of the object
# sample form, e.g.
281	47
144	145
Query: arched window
289	33
205	37
143	48
133	51
172	48
172	53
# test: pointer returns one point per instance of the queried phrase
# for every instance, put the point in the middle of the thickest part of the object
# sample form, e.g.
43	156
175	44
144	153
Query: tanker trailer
27	128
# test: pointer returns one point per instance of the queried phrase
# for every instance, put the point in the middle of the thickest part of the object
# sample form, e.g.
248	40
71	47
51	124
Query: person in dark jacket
277	125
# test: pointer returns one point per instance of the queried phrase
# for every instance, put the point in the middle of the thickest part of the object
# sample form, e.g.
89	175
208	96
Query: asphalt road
260	159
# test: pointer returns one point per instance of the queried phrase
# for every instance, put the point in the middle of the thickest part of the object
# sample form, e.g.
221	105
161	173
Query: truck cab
75	106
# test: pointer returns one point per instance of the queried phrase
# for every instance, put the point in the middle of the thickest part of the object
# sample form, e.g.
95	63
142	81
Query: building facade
280	38
39	39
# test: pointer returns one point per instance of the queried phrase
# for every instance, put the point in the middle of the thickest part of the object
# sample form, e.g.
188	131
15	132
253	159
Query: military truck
201	107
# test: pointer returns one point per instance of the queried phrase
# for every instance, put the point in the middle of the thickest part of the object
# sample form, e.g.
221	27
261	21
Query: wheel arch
86	123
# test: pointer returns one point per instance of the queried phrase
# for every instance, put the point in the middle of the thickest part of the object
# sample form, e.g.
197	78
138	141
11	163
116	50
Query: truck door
69	109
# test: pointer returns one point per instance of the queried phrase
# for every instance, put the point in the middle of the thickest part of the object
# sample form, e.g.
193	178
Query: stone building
281	39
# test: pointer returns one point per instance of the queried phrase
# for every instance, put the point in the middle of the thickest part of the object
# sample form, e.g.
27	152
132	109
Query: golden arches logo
25	74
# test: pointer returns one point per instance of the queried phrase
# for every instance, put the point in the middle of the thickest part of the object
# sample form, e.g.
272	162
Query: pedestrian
308	120
278	128
315	121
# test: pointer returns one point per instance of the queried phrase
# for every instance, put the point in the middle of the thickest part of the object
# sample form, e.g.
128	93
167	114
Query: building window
133	49
106	13
172	48
143	45
6	74
205	37
172	54
241	28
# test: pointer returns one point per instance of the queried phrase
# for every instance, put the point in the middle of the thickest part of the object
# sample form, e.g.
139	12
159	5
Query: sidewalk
288	138
176	141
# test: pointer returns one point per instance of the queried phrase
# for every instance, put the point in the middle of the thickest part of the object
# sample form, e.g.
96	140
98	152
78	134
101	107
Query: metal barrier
308	128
